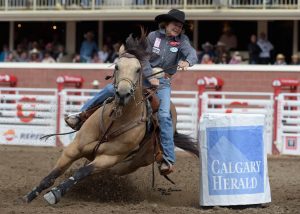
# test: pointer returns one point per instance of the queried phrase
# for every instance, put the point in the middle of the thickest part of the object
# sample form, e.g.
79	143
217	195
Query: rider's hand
154	82
183	65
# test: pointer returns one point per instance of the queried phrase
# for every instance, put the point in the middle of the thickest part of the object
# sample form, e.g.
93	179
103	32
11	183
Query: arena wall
240	78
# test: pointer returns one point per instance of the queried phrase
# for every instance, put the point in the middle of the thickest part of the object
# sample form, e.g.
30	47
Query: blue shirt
87	48
168	51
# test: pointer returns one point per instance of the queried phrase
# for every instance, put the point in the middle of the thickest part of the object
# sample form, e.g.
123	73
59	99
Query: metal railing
13	5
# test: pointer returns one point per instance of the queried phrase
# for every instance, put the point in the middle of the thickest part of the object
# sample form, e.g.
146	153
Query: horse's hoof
30	196
52	197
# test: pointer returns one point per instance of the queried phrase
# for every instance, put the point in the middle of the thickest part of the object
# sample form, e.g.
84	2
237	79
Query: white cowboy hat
34	51
219	44
207	44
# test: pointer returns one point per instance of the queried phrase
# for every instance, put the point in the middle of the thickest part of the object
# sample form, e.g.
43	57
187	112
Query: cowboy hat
280	56
34	51
172	15
207	44
220	44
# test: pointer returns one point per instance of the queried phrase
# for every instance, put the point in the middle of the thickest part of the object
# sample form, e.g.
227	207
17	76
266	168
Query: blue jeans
165	120
100	97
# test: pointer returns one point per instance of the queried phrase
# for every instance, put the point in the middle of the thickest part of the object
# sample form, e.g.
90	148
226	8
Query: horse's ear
121	50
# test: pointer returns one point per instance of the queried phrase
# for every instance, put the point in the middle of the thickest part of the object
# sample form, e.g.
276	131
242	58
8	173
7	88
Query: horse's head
128	69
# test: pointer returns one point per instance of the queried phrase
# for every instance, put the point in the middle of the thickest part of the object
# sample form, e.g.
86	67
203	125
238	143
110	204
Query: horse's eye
116	67
138	70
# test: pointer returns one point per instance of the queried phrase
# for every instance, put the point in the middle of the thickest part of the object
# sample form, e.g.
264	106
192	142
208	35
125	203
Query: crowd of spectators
259	51
52	52
223	52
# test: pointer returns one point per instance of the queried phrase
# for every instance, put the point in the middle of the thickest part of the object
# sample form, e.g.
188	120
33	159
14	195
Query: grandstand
72	18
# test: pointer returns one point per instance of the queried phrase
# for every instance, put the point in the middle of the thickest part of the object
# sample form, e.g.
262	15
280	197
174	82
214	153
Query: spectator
206	59
23	57
10	57
88	47
254	50
295	59
34	55
104	53
236	58
266	48
220	50
95	58
207	49
48	58
280	59
4	53
49	48
77	59
228	38
60	53
224	59
115	53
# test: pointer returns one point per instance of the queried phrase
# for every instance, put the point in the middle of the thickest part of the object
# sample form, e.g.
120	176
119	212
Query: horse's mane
138	46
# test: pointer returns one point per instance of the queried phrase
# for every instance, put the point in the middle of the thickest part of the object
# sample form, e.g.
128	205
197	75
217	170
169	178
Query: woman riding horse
114	137
169	47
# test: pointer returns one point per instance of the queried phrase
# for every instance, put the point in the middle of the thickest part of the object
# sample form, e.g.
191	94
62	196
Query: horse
114	138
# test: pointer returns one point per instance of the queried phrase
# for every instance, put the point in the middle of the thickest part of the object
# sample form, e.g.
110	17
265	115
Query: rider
169	47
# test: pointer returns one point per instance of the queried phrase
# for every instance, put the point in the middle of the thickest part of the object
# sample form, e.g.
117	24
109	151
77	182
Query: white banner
233	160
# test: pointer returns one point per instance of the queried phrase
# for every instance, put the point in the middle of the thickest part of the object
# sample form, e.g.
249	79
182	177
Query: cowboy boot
74	121
166	168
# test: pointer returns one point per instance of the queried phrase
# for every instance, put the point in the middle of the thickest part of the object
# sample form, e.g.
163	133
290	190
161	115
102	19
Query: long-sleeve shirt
167	51
265	47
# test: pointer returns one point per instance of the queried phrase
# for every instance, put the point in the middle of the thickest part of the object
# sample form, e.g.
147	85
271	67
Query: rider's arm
189	52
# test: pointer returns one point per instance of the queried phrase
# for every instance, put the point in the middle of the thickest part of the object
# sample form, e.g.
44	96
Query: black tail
186	143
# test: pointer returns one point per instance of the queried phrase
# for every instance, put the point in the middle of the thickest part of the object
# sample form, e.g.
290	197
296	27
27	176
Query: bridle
132	84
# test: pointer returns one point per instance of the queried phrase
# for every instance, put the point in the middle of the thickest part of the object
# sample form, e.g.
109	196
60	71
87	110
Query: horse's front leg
100	163
69	155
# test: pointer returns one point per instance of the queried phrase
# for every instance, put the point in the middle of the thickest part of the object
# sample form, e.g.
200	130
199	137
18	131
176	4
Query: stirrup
166	168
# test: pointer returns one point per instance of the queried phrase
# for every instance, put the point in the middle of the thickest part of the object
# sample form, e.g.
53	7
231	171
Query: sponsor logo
9	135
173	49
30	136
29	115
235	160
174	43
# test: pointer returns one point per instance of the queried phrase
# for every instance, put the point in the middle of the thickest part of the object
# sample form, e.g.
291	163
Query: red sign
25	118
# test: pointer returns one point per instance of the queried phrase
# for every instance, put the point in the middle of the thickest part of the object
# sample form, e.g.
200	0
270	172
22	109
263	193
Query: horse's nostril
117	93
128	94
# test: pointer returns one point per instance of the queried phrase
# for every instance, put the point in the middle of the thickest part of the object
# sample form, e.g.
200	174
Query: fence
27	114
288	123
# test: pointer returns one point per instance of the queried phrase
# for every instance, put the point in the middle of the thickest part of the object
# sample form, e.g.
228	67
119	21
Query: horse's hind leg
99	164
69	155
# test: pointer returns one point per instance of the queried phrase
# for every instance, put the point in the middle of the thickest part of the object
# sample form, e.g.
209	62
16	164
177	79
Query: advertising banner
233	160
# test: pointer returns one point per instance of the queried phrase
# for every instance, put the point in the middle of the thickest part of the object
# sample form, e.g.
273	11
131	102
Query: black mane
137	46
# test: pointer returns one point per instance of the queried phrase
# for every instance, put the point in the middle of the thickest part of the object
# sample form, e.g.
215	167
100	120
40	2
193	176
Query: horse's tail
186	143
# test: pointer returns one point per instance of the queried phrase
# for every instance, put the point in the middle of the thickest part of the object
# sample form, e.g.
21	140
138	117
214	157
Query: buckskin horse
114	138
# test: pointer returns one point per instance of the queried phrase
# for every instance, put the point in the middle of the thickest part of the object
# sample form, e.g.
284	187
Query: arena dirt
23	167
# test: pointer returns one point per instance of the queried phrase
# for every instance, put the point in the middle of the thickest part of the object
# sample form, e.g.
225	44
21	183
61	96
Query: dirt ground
22	168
